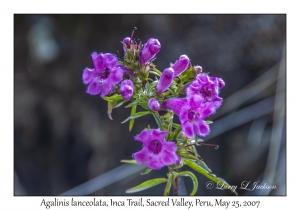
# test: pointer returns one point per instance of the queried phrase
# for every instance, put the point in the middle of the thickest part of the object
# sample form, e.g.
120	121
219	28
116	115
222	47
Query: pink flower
105	75
192	112
156	152
208	88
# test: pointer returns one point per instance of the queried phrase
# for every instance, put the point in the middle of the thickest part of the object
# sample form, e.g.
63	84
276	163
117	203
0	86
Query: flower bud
198	69
181	65
151	48
126	43
126	89
165	80
153	104
221	83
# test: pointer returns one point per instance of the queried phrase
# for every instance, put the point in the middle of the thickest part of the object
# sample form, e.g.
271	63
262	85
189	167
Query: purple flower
126	89
165	80
208	88
192	112
181	65
151	48
156	152
153	104
126	43
104	76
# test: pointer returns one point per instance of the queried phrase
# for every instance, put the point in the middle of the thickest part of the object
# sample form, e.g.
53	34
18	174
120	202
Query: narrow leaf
202	164
187	155
137	115
131	122
135	102
194	179
208	122
209	175
109	109
168	185
146	185
116	97
129	161
158	122
147	171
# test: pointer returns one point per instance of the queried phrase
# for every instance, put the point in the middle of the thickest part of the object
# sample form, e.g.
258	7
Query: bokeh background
64	143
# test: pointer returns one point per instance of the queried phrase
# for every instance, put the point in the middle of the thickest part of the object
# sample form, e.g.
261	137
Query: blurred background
64	143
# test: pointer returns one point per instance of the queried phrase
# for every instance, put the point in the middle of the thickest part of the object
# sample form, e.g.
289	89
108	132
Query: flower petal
154	163
141	156
88	75
94	87
105	88
109	60
175	104
170	147
144	137
184	114
167	158
195	101
188	129
159	135
98	62
115	76
201	128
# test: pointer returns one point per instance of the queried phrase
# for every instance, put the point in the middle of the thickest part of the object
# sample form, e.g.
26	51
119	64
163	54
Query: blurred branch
104	180
242	116
277	129
249	91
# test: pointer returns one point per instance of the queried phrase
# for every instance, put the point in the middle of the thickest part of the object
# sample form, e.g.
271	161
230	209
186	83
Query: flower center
155	147
105	74
206	93
193	115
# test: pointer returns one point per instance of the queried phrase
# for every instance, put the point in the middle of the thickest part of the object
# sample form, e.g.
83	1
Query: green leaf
168	185
176	133
157	71
109	109
175	125
194	179
131	122
208	122
147	171
208	174
135	102
137	115
158	122
187	155
116	97
203	165
129	161
146	185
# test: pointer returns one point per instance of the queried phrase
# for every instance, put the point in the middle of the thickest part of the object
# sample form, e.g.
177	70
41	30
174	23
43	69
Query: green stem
156	116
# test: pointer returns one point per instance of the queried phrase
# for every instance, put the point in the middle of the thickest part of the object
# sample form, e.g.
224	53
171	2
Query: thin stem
177	184
156	116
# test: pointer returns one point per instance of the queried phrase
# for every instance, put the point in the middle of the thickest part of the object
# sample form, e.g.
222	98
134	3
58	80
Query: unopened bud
126	89
181	65
153	104
165	80
151	48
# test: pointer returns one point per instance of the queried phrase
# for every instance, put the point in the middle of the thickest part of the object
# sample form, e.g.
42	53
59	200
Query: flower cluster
181	89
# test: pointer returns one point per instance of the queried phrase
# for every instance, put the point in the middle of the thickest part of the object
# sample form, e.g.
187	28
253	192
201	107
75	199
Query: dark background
63	137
